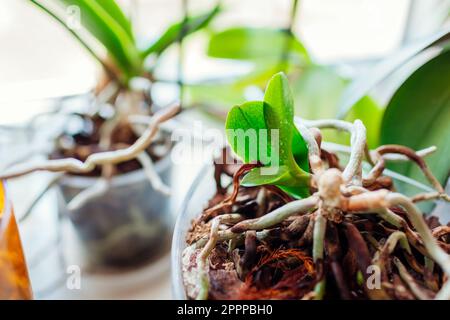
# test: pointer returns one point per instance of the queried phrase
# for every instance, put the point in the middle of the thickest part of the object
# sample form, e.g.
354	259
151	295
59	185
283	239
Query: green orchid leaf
418	116
279	114
281	177
244	126
173	32
274	118
257	176
245	43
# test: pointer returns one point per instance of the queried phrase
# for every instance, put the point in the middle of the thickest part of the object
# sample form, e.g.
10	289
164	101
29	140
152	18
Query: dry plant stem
101	158
277	216
202	259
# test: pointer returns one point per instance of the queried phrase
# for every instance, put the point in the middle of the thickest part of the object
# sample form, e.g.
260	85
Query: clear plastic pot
125	227
204	188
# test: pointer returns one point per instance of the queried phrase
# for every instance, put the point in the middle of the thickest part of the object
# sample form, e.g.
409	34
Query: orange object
14	280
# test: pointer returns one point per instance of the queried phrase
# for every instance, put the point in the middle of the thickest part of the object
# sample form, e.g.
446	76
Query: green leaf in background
96	18
317	92
317	89
246	43
172	34
213	99
110	33
418	116
371	114
114	10
274	113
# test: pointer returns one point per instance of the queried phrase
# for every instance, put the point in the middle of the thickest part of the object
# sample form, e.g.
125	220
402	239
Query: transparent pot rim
117	181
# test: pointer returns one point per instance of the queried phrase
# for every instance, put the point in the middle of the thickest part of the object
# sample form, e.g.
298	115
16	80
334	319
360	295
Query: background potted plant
115	158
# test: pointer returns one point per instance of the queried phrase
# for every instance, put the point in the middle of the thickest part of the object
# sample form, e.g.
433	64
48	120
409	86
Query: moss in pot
313	228
116	161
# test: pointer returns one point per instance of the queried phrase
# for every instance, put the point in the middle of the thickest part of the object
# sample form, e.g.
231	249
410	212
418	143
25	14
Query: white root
357	130
153	177
395	238
384	199
320	224
313	149
101	158
416	218
99	188
384	213
353	170
202	259
277	216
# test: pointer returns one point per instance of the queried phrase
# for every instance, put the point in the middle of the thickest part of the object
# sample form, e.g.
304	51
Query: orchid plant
323	203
